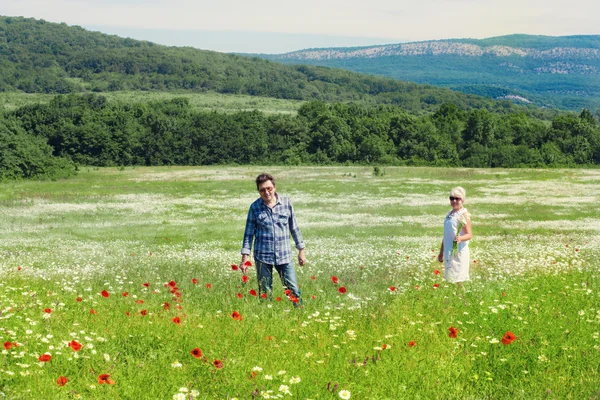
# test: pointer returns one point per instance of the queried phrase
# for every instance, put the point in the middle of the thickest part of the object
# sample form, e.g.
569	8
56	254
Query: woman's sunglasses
455	198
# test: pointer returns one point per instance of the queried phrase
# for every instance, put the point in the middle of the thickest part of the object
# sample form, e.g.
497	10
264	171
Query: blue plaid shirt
270	229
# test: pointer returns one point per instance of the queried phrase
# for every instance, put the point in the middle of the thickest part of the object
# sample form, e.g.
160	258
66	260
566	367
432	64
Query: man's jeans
287	273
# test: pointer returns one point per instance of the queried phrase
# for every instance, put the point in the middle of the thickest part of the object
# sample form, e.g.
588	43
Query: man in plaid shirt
270	221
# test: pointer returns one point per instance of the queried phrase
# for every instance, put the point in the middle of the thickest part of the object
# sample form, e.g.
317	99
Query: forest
52	140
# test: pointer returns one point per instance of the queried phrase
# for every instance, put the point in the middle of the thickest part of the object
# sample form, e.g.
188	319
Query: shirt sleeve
249	232
295	230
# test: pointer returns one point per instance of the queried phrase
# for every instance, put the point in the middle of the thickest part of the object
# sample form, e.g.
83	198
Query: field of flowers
122	284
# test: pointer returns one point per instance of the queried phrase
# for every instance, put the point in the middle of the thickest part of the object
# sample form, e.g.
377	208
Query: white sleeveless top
450	227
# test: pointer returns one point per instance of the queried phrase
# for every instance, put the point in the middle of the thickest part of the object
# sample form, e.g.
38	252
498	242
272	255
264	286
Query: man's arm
297	236
248	239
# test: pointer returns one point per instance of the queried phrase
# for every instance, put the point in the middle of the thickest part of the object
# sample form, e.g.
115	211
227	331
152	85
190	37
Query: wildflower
245	278
166	305
144	312
104	294
436	272
139	301
194	281
508	338
239	295
257	369
253	292
312	277
176	320
106	357
79	299
412	343
48	310
176	364
92	311
285	389
264	295
344	394
494	341
61	381
209	285
277	298
7	345
236	315
105	378
436	285
453	332
75	345
45	357
461	223
392	288
196	352
234	267
248	263
295	379
218	364
417	287
180	396
334	279
342	290
147	284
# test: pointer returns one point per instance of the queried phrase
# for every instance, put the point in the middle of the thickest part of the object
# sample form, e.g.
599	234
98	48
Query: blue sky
269	26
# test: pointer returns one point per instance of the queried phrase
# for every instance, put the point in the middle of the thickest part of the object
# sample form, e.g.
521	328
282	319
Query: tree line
50	140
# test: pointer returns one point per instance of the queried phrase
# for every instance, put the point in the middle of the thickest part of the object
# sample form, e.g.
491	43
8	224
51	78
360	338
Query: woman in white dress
454	251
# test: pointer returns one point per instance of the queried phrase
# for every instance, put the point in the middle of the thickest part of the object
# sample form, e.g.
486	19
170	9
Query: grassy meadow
206	101
127	272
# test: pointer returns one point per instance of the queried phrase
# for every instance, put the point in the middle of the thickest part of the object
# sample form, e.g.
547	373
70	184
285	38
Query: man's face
267	191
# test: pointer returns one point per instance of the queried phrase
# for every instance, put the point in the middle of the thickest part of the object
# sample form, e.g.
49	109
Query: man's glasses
267	189
455	198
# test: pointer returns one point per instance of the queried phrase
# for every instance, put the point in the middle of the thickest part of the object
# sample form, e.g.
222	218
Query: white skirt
456	268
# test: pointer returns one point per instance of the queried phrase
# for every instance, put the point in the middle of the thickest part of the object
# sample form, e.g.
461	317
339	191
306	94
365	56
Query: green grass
208	101
534	273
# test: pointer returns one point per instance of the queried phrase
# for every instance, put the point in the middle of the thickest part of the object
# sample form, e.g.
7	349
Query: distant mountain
561	72
42	57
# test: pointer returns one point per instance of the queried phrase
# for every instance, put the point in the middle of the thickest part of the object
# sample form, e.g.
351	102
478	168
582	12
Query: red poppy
7	345
294	299
436	272
392	288
105	378
453	332
104	293
503	294
139	301
314	278
79	299
147	284
218	364
61	381
47	310
252	292
234	267
176	320
436	285
75	345
313	296
412	343
264	295
92	311
236	315
269	338
45	357
287	292
196	352
417	287
209	285
194	281
239	295
172	284
144	312
245	278
334	279
342	290
247	263
277	298
474	261
508	338
166	305
19	268
125	294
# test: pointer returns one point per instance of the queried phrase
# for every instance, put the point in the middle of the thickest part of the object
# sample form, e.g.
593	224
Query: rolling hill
562	72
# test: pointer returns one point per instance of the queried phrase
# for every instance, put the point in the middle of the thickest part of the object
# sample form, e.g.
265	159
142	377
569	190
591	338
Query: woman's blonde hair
459	192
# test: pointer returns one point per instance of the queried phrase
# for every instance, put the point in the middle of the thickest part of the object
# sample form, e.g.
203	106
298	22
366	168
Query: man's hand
243	265
301	257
